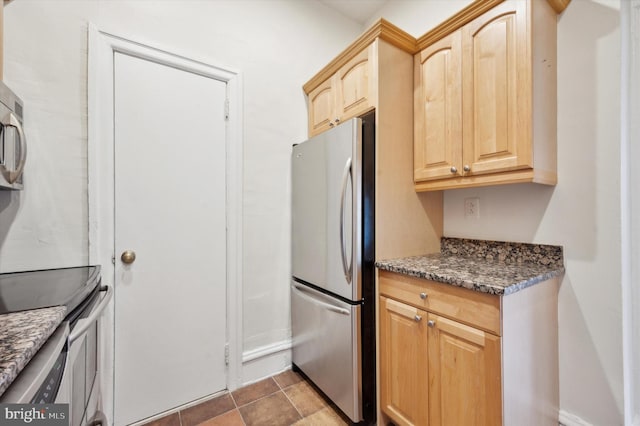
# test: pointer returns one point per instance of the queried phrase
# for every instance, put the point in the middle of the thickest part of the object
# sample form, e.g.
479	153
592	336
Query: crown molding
383	30
457	21
388	32
468	14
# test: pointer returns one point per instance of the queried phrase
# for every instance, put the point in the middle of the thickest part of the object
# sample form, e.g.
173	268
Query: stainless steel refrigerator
333	275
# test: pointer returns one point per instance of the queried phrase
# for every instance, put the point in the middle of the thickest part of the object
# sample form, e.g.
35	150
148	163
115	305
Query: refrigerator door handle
343	237
312	299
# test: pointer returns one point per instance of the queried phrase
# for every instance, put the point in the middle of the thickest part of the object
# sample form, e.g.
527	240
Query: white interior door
170	303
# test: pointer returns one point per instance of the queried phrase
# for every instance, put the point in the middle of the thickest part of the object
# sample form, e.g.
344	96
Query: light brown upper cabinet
375	72
485	97
438	109
348	93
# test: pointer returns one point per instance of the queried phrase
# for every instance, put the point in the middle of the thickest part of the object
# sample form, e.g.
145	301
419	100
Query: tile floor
282	400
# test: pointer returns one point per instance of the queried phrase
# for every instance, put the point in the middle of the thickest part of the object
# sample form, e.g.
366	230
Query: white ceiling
358	10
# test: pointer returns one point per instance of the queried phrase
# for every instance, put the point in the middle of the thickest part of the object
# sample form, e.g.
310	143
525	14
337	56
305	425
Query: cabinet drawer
467	306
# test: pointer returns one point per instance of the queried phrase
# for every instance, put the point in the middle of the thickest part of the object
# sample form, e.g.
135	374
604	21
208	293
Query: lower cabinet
437	371
464	374
453	356
403	362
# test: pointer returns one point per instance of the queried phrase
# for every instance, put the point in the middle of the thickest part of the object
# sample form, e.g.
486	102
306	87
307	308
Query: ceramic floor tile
170	420
305	398
255	391
324	417
273	410
230	418
263	404
207	410
287	378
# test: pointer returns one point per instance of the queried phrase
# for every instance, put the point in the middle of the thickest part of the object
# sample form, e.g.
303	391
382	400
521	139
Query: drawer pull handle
418	318
423	296
431	323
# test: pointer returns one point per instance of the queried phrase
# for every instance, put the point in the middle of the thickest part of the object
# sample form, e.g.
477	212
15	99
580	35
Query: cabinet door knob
337	120
454	169
417	318
423	296
331	124
466	168
431	323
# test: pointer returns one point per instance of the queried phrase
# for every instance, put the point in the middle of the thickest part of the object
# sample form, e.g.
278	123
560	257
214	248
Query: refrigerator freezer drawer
326	346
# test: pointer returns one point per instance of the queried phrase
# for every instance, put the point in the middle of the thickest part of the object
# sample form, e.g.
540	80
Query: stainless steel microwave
13	144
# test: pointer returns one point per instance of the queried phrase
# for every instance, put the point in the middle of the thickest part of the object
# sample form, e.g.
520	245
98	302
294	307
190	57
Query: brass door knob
128	256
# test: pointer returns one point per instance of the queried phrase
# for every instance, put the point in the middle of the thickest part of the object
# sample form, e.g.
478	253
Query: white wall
277	45
45	226
582	212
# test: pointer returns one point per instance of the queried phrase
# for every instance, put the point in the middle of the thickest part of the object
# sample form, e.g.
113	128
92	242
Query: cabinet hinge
226	109
226	354
113	260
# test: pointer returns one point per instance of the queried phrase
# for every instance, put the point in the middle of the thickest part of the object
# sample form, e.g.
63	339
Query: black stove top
20	291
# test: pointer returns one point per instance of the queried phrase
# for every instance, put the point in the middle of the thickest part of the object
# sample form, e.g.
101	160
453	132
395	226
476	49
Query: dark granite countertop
492	267
21	336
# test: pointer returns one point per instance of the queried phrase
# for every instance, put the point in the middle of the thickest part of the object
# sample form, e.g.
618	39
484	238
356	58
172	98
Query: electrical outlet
472	208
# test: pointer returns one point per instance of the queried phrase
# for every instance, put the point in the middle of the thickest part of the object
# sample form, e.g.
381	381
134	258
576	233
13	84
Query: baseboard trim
265	351
265	361
568	419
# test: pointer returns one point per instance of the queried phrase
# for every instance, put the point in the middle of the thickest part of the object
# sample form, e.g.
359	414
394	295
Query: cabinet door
355	85
403	363
322	107
464	375
438	110
497	90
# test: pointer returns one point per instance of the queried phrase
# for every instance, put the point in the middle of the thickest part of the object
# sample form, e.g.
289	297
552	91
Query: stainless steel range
65	369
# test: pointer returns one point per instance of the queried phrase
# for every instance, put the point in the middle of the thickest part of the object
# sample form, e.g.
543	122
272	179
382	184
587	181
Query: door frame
102	47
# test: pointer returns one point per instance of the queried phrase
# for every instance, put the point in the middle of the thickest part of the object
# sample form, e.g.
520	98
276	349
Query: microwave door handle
84	324
11	120
343	237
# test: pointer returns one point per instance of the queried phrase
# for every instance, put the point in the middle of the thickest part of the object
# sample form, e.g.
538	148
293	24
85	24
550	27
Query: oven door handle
84	324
